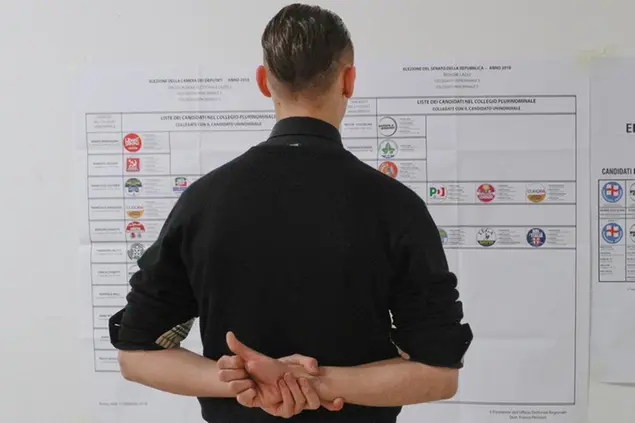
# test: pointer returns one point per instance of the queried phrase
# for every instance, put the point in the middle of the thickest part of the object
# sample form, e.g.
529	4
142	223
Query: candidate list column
359	129
502	188
107	233
613	210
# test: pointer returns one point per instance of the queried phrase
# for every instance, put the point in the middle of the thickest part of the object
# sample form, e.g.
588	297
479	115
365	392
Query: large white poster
613	169
500	152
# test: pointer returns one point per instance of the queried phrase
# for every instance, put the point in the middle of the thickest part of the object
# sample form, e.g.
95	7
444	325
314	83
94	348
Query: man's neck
323	114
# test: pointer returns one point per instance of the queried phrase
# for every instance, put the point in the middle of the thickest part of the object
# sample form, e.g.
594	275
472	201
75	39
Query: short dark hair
304	46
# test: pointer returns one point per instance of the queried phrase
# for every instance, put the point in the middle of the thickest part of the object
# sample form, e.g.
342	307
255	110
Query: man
297	247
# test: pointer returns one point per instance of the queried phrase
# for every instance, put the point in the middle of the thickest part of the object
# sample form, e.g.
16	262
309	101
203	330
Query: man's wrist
330	383
327	382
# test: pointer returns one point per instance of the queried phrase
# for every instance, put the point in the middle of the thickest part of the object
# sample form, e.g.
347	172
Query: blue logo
612	192
612	233
536	237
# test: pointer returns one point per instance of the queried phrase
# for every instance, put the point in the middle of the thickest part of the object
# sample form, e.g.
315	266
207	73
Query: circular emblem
444	235
536	193
135	251
387	126
388	149
612	192
631	232
134	211
135	229
437	192
132	143
486	237
536	237
389	168
486	193
180	184
631	192
612	233
133	186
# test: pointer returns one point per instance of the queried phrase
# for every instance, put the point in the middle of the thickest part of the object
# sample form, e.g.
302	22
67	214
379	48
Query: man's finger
336	405
312	398
241	349
238	386
286	410
232	374
231	362
296	392
310	364
247	398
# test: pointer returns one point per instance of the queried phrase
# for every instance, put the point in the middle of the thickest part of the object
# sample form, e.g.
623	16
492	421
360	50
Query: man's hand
294	371
283	397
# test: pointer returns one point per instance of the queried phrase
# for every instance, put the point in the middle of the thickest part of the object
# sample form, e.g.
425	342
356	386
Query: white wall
43	42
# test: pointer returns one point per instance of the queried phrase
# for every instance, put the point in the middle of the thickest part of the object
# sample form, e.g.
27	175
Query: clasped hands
282	387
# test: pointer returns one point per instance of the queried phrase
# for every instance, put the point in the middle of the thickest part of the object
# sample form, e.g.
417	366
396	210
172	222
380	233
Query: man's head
308	63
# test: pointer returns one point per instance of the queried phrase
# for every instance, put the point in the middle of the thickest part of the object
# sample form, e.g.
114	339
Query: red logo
486	193
132	143
133	164
389	168
135	229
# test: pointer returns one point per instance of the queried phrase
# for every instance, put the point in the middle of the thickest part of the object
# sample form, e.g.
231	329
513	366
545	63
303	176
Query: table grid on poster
139	163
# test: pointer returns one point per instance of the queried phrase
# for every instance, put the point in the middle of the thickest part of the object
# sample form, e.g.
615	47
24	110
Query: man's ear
261	79
350	74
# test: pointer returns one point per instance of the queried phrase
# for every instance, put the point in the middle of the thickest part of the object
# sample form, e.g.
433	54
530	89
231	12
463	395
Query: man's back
302	231
294	251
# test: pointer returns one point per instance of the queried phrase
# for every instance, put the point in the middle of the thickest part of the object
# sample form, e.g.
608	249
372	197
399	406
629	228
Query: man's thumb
239	348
